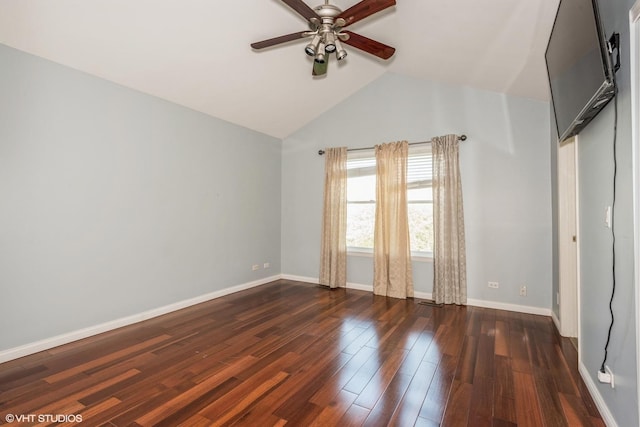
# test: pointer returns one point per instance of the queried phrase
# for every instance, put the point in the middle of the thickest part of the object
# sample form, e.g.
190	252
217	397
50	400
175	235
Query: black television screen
578	65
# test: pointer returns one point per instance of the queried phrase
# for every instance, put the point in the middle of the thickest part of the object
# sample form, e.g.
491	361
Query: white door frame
634	23
568	258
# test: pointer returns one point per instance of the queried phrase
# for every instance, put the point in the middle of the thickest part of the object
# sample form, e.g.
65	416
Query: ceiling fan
326	23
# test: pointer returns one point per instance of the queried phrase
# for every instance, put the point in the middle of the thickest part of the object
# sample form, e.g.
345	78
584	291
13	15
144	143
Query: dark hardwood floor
289	353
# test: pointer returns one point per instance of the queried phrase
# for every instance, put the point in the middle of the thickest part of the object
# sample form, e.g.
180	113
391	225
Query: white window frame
356	155
368	252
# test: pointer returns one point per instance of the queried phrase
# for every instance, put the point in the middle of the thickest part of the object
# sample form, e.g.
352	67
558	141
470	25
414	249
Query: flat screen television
579	67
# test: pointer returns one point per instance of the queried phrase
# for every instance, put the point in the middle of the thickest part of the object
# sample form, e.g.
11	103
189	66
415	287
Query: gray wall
595	192
505	171
114	202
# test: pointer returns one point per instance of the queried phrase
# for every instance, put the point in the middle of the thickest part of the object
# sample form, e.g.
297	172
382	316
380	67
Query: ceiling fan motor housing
328	12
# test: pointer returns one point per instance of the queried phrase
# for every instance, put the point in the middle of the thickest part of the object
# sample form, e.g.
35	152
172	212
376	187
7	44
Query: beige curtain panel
391	252
449	254
333	251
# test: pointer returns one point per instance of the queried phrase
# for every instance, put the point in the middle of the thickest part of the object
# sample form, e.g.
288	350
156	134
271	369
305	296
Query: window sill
369	254
422	258
360	253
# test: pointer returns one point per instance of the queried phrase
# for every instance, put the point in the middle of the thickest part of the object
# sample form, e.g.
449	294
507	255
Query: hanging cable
613	230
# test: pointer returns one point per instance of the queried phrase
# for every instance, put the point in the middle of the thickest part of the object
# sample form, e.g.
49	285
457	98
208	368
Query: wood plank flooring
295	354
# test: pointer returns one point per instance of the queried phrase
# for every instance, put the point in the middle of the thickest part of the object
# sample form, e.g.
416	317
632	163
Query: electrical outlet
610	372
607	376
493	285
523	291
255	267
267	265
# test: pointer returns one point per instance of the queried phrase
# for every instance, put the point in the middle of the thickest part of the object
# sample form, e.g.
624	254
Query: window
361	200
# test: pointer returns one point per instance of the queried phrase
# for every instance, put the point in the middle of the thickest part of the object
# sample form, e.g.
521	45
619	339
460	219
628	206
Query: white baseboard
556	321
360	287
45	344
606	415
305	279
527	309
426	295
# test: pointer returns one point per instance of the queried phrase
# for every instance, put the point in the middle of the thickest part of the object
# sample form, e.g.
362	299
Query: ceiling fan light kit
340	52
326	23
329	42
321	55
312	47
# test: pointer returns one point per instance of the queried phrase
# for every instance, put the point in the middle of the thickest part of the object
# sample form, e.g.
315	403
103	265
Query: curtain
333	251
449	258
391	252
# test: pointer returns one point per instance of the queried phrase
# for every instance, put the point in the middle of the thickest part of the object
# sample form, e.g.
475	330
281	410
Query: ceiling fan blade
370	46
278	40
303	9
363	9
320	69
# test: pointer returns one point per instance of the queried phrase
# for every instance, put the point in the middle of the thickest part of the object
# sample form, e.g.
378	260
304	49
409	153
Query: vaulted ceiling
196	53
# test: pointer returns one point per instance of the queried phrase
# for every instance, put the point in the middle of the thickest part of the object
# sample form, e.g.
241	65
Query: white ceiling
196	53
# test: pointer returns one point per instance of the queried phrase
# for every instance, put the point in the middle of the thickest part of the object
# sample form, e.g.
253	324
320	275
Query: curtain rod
460	138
